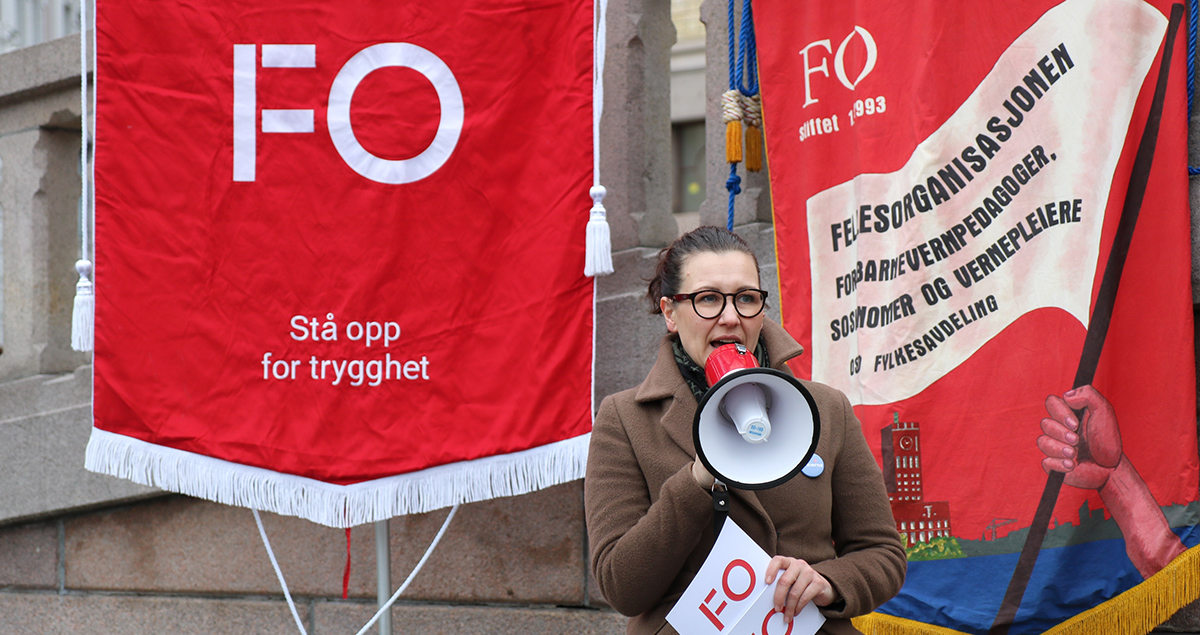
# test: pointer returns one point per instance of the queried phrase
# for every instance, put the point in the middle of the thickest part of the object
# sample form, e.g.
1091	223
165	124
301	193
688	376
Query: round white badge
814	467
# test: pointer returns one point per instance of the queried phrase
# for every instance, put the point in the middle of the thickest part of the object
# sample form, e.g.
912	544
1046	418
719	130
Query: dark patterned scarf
694	375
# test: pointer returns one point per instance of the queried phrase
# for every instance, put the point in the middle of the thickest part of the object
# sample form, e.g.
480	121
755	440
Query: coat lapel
665	382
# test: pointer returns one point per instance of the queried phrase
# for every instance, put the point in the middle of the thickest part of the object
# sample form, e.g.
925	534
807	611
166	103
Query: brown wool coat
650	524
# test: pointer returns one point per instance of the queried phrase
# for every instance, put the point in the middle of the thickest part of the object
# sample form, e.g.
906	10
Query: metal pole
383	565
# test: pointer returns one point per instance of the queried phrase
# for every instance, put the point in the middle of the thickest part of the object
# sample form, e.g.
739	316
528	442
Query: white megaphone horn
756	427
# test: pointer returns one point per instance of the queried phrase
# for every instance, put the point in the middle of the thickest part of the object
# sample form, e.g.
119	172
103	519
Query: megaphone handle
720	507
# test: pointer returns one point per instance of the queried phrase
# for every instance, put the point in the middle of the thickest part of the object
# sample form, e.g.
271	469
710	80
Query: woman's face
727	272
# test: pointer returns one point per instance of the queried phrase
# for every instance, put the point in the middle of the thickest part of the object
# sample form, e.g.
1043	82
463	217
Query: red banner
983	234
339	251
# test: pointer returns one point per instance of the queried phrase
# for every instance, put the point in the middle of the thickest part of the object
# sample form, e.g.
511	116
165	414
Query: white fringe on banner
336	505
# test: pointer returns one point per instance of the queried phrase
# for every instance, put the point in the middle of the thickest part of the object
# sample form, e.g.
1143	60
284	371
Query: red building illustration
918	520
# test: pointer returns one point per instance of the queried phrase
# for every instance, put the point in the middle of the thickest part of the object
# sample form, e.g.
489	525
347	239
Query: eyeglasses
709	304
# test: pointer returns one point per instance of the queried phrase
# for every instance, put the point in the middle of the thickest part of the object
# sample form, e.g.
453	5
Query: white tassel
82	321
598	259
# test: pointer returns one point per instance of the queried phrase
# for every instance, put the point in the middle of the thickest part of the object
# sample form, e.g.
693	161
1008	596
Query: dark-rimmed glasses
709	304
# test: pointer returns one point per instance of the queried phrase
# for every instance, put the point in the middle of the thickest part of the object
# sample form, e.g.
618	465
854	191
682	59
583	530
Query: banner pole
84	308
383	567
1098	327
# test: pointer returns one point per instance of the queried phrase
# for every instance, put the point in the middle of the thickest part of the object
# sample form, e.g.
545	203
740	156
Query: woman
647	498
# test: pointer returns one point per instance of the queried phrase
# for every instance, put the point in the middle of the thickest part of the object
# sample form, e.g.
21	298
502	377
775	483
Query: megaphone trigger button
814	468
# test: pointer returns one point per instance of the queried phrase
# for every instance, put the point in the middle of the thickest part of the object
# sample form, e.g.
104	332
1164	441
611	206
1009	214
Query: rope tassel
740	104
754	149
598	257
731	113
752	116
83	314
82	319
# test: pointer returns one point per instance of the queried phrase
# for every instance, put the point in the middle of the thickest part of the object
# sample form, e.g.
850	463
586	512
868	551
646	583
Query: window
28	22
688	150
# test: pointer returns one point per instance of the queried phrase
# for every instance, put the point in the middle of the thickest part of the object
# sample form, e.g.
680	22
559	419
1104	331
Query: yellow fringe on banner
754	142
1134	612
1142	608
880	624
733	142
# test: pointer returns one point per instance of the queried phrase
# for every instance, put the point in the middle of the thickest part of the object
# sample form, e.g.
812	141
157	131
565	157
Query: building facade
917	520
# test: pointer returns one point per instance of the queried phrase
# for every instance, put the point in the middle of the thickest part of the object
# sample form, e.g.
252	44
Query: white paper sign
763	619
728	595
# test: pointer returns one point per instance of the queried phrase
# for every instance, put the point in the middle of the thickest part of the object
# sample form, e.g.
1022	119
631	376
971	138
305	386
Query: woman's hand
702	475
798	585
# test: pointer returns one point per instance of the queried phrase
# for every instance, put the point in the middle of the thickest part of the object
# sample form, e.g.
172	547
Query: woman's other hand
799	584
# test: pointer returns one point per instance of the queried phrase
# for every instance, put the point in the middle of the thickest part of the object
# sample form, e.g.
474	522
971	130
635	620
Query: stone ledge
40	69
344	617
54	614
41	394
43	453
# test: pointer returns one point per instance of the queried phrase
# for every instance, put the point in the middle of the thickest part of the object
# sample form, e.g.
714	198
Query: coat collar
665	381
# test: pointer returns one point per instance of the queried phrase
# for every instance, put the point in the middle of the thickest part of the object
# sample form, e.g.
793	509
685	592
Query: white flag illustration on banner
996	214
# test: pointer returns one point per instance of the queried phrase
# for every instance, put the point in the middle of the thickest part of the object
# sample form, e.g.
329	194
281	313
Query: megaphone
756	427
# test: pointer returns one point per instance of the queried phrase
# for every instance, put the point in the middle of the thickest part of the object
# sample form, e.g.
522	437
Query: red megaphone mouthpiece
727	359
745	406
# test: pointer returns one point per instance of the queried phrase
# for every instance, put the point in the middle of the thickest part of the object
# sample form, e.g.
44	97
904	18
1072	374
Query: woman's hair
667	274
